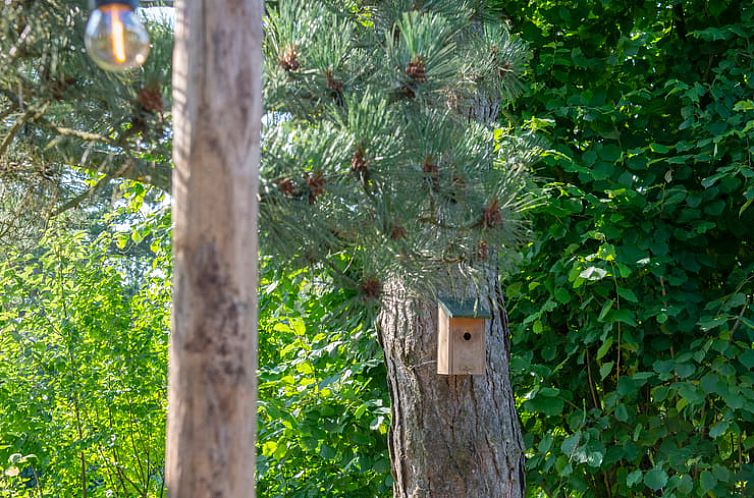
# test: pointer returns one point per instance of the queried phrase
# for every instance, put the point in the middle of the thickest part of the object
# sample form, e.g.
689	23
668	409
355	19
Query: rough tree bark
217	93
451	436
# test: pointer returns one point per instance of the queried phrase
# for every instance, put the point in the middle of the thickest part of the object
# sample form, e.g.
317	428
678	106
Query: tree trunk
451	436
217	93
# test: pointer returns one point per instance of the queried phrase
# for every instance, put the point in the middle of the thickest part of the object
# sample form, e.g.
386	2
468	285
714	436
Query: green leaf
721	473
593	273
628	295
663	366
327	452
546	402
634	478
708	481
656	479
710	383
594	459
659	148
605	369
605	309
603	350
624	316
747	359
563	466
684	370
545	444
569	445
562	296
719	429
685	484
621	413
280	451
121	239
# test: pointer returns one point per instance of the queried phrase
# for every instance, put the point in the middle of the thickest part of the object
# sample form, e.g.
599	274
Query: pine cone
289	60
371	288
286	186
316	184
359	164
398	232
59	87
335	85
491	215
503	70
482	249
415	70
432	171
150	99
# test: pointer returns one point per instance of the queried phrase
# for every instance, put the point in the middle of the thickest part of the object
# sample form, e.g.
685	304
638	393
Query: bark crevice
459	434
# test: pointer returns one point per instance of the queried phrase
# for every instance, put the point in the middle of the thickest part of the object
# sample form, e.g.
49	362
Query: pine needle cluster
380	159
66	127
380	155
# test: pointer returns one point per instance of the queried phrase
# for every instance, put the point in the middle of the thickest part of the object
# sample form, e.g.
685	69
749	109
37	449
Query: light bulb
115	37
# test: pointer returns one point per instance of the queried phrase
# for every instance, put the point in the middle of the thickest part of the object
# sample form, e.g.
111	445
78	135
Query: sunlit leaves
636	296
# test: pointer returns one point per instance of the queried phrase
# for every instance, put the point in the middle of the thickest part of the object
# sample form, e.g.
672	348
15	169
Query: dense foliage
67	129
323	412
381	163
633	310
84	349
84	321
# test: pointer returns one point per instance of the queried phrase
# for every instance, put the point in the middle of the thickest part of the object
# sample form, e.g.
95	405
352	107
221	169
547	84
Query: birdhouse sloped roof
465	308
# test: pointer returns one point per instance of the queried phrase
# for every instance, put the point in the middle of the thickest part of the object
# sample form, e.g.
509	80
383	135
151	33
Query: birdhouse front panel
461	343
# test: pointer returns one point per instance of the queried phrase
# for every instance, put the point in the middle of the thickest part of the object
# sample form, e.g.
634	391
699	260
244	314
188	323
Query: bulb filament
118	32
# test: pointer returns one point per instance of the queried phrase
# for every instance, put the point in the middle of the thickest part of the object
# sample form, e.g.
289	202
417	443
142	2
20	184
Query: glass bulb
115	38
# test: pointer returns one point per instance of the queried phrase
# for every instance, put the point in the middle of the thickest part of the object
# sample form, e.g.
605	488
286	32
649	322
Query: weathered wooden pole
217	110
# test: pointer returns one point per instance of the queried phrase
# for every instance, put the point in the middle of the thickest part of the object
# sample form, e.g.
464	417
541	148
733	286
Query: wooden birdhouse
461	337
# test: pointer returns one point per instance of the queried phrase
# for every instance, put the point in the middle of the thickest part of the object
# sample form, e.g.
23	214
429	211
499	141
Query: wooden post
217	110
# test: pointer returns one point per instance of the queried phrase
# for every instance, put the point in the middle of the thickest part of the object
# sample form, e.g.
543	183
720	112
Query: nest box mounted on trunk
461	337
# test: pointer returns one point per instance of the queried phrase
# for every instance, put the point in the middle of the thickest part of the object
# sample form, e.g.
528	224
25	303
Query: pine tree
68	129
381	166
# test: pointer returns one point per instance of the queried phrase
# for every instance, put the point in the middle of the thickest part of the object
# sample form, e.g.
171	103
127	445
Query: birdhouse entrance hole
462	325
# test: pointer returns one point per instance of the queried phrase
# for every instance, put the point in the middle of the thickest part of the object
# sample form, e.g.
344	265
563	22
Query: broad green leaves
323	409
641	316
84	342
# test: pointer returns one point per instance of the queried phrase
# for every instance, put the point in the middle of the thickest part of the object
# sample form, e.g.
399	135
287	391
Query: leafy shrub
633	311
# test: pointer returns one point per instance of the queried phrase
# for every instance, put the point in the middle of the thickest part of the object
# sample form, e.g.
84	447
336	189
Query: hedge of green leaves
83	343
84	321
323	407
633	309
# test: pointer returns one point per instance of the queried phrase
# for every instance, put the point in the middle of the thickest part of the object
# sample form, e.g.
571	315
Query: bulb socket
101	3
